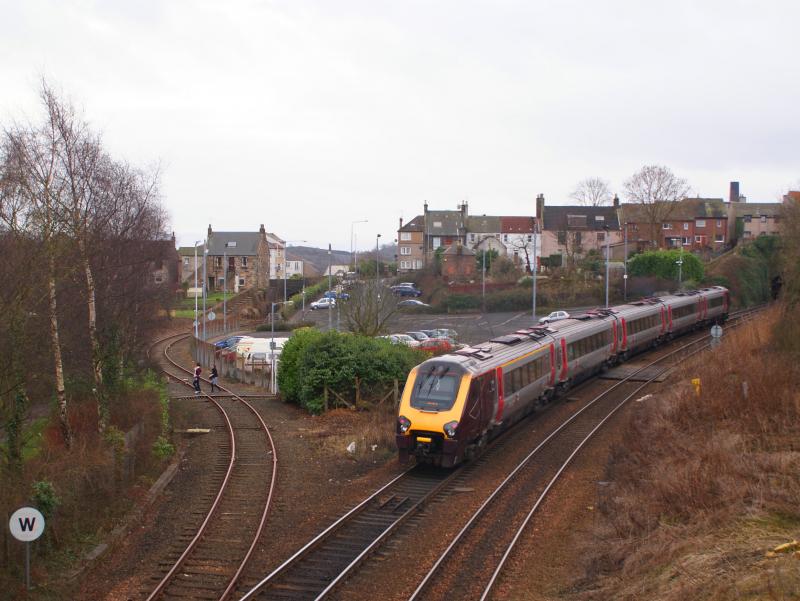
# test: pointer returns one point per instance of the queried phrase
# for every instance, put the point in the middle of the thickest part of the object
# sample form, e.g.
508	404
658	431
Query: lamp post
225	289
533	273
625	276
679	262
608	252
483	281
205	279
353	249
330	312
377	264
195	287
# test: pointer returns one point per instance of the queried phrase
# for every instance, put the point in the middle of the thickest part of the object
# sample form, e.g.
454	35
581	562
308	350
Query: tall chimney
401	224
616	201
540	207
734	193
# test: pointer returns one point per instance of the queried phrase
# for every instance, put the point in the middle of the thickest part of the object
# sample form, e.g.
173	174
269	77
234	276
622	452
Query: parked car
436	345
554	316
336	295
419	336
323	303
401	339
227	342
406	291
412	303
446	333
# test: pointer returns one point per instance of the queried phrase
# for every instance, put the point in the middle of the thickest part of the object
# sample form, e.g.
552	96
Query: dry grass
372	430
705	484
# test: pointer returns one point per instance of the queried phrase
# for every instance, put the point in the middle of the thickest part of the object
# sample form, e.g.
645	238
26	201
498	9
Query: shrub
663	264
461	302
44	497
162	448
312	360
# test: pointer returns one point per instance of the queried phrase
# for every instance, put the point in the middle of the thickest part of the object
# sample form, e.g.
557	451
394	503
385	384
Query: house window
437	242
666	226
686	226
762	233
530	238
747	218
698	239
719	238
230	244
763	219
505	237
562	238
405	235
472	237
700	223
403	264
719	222
599	218
601	236
217	261
244	261
405	250
686	241
158	278
241	281
418	264
748	234
186	261
437	224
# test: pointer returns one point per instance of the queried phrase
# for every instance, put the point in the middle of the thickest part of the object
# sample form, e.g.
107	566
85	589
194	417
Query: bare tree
369	308
32	191
592	192
572	241
657	191
519	245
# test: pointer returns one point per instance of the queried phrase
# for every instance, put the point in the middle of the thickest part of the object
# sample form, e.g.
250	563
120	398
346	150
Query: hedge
312	360
663	264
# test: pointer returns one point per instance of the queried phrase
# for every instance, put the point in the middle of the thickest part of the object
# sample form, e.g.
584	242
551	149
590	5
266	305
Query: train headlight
450	429
403	424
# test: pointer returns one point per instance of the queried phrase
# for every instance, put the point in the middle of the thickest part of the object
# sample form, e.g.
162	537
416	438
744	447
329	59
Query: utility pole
205	279
533	271
330	311
225	289
195	287
608	257
625	277
483	282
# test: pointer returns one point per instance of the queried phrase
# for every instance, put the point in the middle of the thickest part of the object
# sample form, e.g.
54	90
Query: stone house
458	262
411	245
235	260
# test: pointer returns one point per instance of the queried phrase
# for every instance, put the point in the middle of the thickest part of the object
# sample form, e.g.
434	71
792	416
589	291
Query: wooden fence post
358	391
396	392
325	396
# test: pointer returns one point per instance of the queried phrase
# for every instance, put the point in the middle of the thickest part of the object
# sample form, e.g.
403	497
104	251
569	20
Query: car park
554	316
401	339
323	303
412	303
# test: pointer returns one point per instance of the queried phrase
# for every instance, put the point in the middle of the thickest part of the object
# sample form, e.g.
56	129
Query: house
570	231
235	260
458	262
411	245
693	224
419	239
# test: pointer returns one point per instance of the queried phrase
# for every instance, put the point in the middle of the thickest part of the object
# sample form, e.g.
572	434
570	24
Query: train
454	404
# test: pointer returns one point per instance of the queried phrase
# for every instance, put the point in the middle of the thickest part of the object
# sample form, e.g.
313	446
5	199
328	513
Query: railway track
319	569
208	559
471	565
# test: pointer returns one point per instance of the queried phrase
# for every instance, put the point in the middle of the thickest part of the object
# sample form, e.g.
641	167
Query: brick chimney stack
540	207
734	192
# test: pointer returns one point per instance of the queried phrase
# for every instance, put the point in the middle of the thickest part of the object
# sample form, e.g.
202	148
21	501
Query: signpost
212	316
716	334
26	525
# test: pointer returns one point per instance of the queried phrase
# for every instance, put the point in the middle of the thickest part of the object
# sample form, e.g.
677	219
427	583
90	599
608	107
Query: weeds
695	471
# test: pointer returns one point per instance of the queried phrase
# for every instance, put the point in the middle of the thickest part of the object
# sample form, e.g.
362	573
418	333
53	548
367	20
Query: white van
258	345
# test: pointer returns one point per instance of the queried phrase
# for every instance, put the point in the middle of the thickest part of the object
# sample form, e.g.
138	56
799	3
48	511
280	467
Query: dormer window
231	244
437	224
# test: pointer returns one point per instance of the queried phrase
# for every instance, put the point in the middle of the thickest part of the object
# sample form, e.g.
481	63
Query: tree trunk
97	369
61	393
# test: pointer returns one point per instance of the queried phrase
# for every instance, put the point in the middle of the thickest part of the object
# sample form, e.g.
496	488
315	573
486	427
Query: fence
231	366
218	326
332	399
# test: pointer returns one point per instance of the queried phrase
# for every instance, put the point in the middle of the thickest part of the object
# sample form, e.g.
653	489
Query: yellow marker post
696	384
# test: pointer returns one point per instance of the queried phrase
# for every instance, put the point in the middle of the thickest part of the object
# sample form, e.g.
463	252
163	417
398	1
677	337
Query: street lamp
195	287
625	276
679	262
377	263
533	272
205	279
608	252
353	249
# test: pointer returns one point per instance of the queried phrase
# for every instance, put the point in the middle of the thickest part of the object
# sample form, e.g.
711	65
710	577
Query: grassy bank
706	485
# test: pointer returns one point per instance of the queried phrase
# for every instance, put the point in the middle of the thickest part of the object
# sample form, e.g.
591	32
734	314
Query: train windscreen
435	390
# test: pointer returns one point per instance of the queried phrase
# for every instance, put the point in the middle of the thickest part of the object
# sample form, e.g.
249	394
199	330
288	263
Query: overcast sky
307	116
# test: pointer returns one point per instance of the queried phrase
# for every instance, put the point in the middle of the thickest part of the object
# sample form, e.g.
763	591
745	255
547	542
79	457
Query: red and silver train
453	404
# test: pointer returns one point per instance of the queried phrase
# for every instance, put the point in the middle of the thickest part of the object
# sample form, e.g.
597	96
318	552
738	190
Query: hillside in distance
318	257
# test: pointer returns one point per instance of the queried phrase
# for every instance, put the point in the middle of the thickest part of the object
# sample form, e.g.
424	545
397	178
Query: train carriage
453	404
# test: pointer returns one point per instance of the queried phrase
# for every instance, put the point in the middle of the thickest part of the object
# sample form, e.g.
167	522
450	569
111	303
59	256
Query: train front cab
444	412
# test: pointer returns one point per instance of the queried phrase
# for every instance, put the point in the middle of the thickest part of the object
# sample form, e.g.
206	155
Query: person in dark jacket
196	381
213	378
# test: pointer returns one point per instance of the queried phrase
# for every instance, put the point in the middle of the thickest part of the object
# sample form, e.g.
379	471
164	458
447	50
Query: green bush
284	326
312	360
162	448
461	302
663	264
515	299
44	497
